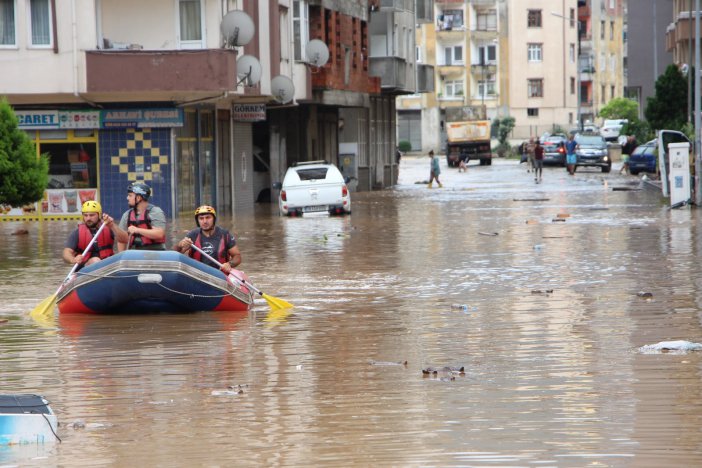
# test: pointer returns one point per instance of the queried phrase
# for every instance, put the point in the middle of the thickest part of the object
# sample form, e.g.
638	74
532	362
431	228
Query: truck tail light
344	191
283	195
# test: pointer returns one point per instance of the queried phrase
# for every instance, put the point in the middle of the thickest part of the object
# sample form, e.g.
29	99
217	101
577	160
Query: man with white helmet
78	240
143	225
212	239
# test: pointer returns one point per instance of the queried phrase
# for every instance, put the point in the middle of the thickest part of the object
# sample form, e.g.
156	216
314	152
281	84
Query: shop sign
37	120
79	119
249	112
142	118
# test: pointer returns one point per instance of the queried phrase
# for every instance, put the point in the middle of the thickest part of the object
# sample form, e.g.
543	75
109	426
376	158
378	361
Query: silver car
592	151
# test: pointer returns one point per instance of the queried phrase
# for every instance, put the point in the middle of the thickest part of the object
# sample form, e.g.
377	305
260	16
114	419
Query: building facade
117	91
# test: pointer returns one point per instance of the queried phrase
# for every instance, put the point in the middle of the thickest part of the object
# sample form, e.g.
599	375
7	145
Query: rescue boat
148	281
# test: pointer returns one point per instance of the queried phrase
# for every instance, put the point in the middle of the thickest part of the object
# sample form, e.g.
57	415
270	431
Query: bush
404	146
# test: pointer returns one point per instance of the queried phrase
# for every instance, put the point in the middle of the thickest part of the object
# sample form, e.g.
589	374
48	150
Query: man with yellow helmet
213	240
78	240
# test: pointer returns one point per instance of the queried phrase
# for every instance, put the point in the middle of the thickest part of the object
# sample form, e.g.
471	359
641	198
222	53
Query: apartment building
601	54
118	91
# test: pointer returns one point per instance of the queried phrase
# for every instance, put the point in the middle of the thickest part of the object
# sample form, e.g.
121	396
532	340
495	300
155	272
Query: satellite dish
317	53
248	70
237	28
282	89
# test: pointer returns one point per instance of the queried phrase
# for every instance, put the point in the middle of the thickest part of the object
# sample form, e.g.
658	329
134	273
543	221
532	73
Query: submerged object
26	419
144	281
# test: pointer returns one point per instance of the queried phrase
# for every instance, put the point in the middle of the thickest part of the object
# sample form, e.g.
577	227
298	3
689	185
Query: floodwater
548	329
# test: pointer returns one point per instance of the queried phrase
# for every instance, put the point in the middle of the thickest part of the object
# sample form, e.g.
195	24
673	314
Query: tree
621	108
501	128
23	176
668	108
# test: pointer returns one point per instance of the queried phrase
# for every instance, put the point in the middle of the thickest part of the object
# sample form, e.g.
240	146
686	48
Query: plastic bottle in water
459	306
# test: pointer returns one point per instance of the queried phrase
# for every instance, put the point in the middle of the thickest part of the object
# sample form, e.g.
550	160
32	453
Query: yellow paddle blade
45	307
276	303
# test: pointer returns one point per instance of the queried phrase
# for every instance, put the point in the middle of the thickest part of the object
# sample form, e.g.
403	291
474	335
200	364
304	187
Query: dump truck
468	135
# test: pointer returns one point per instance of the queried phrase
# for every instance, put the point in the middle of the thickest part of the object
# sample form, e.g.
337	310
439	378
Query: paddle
274	302
47	305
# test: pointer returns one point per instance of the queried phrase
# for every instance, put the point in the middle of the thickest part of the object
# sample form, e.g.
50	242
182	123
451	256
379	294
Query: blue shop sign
37	120
141	118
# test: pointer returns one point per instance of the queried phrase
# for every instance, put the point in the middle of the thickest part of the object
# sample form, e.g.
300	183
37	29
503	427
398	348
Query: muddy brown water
548	331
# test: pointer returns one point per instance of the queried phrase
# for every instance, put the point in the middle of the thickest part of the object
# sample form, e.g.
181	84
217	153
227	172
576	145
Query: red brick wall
341	32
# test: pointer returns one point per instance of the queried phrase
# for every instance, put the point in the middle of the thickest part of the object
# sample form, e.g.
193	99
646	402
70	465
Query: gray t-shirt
157	216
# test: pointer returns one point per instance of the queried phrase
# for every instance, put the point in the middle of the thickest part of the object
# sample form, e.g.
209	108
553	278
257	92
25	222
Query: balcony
444	3
479	70
425	78
395	74
484	34
483	3
397	5
166	75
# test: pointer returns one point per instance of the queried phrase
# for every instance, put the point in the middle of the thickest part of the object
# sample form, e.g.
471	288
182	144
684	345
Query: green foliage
23	176
501	128
404	146
640	129
668	108
620	108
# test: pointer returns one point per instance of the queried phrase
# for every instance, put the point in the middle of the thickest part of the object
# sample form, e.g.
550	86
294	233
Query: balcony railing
393	73
398	5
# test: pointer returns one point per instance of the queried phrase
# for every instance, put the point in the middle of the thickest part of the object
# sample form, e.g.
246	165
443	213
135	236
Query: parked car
611	128
592	151
644	159
313	187
554	150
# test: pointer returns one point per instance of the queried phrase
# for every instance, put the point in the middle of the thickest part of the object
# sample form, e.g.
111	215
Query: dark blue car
643	159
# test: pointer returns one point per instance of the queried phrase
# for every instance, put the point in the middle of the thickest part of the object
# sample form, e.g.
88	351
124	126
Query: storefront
94	155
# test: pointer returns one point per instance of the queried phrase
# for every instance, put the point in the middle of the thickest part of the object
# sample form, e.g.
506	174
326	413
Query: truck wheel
488	162
606	169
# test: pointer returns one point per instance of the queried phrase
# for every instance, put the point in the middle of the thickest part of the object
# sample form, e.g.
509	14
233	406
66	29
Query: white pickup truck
313	187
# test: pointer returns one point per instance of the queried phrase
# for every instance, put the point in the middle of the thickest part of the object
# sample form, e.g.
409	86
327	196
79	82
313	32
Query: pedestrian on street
531	146
571	159
538	161
627	151
435	169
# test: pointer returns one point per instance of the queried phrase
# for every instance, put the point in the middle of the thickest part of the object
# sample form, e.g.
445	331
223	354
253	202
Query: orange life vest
104	242
143	221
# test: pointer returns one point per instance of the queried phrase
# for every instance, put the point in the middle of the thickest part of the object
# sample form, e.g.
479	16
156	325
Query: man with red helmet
212	239
78	240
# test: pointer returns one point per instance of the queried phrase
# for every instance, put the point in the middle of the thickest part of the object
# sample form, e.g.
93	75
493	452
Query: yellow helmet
205	209
91	206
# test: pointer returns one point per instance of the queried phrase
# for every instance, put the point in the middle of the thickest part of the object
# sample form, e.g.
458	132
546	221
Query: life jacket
221	254
143	221
104	242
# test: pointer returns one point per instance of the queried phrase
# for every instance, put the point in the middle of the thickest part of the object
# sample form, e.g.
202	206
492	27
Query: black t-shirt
211	244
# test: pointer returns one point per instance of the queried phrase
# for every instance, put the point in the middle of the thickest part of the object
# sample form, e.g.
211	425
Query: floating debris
231	390
4	320
625	189
459	306
388	363
532	221
531	199
558	220
488	233
644	294
20	232
542	291
562	215
680	346
556	237
445	369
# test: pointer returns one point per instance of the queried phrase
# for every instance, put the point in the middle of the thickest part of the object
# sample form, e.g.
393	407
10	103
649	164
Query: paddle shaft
87	249
209	257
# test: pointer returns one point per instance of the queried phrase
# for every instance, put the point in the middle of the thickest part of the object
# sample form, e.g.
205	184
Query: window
418	54
453	88
602	92
190	23
572	53
486	20
535	88
570	117
534	19
300	28
451	19
532	112
572	85
453	55
486	87
572	17
612	91
602	29
284	34
534	52
611	30
487	55
40	23
7	23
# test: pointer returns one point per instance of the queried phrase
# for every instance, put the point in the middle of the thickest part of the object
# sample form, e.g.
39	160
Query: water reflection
551	378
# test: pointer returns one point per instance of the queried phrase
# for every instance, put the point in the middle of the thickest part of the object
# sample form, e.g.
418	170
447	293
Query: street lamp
577	68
